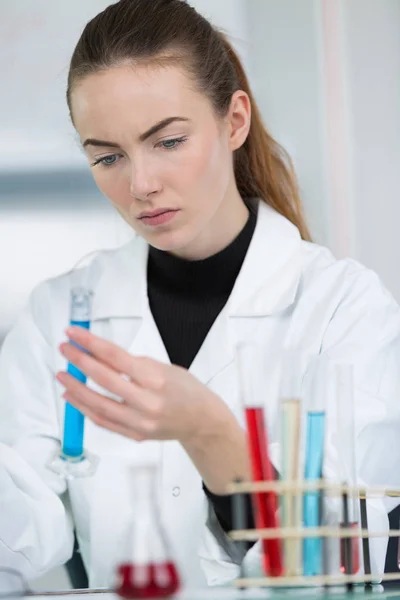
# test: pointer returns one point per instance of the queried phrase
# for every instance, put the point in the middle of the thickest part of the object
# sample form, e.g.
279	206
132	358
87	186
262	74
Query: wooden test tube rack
329	489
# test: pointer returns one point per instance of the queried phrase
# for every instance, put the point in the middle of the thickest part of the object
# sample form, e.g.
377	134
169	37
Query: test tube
365	541
345	430
73	461
398	548
239	519
314	455
291	501
346	559
265	504
81	300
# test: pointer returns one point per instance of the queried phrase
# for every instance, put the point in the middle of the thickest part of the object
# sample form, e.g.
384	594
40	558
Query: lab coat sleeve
221	557
36	532
365	331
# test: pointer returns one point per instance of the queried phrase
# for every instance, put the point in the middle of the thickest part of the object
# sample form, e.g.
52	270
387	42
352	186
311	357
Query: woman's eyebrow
93	142
160	125
143	137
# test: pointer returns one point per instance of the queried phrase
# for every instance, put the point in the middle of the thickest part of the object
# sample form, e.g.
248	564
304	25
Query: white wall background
372	54
37	39
284	45
286	75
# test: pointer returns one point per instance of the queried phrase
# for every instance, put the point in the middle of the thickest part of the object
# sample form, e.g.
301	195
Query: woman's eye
107	161
172	144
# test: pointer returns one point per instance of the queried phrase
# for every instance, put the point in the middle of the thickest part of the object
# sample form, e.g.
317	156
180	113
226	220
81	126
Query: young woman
221	255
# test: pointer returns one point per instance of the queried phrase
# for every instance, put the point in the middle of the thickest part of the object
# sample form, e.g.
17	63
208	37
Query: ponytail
262	167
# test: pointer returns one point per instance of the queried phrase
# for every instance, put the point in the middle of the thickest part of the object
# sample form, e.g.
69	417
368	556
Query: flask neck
149	544
144	491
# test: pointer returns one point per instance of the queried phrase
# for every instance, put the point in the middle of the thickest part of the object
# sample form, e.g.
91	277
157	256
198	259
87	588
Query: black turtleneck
187	296
185	299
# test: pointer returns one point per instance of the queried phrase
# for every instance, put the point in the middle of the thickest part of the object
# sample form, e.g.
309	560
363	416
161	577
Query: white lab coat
289	293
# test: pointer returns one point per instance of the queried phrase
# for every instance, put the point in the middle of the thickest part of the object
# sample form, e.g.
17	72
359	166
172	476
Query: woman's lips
159	219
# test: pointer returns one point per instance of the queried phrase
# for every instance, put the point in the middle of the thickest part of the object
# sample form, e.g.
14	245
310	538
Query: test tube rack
299	488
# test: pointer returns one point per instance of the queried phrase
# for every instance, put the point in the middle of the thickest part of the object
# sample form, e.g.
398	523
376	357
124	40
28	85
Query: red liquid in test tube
148	581
265	504
355	552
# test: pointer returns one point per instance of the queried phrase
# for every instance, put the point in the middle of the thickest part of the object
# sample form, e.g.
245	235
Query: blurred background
326	75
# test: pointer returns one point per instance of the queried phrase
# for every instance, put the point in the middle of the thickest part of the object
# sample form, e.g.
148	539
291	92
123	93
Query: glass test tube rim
346	432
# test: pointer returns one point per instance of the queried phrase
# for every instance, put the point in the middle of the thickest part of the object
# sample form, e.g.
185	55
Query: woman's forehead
138	95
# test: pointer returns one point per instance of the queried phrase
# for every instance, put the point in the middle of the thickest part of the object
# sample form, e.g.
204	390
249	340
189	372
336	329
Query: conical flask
149	570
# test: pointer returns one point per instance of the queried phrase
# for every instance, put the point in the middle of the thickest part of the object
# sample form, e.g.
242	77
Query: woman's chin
168	241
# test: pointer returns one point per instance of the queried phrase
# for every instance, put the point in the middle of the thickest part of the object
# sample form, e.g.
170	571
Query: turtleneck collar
214	275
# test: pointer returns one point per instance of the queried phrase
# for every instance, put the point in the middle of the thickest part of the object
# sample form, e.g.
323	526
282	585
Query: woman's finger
109	413
144	371
134	396
101	373
107	352
93	401
103	421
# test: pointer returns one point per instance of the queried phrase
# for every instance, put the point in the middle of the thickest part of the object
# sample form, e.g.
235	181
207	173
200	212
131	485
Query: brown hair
171	31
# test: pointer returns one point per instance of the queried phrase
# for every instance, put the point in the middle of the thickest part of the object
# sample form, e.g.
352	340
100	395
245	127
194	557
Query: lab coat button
176	491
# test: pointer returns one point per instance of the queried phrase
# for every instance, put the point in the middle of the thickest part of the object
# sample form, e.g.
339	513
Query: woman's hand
158	401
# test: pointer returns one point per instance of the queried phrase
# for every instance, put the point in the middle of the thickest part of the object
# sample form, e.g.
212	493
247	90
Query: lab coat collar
270	274
122	287
267	282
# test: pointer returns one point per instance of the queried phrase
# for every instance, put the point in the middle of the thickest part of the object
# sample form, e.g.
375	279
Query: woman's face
161	156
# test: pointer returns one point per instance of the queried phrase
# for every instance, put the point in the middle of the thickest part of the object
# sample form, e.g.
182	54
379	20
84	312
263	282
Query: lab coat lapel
270	275
216	352
122	299
148	341
266	284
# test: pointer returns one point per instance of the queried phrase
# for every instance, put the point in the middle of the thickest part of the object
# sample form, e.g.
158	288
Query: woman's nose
143	183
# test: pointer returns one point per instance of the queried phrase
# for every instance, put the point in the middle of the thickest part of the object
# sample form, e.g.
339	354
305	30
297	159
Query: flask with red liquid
149	570
265	504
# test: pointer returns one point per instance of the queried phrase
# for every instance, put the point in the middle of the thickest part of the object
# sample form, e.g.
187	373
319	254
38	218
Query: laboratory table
359	593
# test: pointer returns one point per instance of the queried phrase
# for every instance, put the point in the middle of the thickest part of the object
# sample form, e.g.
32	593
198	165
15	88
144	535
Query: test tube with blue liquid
74	420
73	460
314	456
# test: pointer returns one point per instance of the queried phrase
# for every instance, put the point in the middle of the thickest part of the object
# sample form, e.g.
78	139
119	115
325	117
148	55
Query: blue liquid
313	547
74	420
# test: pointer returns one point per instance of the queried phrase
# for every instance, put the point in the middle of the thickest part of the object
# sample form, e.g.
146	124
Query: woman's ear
239	119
